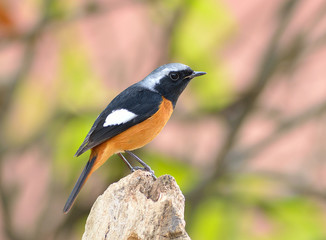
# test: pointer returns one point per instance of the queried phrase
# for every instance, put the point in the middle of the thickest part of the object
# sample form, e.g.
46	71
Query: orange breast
137	136
144	132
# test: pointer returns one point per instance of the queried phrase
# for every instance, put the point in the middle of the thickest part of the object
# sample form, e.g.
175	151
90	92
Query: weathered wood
138	207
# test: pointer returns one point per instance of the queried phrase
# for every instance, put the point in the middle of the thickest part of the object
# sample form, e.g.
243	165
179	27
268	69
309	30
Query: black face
173	84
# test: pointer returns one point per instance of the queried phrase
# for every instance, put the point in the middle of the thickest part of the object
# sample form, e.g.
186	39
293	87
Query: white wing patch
118	117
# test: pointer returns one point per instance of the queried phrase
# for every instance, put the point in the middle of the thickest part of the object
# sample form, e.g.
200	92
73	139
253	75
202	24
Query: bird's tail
98	156
88	169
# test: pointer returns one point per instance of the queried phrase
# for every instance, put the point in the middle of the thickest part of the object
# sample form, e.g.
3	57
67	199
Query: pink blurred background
122	41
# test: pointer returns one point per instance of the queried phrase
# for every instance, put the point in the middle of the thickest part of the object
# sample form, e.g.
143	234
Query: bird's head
170	80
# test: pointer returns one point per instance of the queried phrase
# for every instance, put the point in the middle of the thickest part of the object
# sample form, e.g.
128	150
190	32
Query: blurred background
246	144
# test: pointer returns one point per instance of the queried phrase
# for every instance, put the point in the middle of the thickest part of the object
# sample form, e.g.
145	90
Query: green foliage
69	138
185	175
79	85
214	219
255	209
204	27
59	9
298	218
31	99
80	90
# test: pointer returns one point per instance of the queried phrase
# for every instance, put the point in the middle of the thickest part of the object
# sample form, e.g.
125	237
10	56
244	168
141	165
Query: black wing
144	103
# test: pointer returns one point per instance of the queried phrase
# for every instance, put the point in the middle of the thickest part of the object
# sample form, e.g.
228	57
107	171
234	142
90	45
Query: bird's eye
174	76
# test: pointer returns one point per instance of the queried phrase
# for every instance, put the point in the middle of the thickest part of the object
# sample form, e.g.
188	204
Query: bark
138	207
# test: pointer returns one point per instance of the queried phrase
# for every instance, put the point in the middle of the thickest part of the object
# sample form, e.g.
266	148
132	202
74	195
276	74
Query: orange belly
136	136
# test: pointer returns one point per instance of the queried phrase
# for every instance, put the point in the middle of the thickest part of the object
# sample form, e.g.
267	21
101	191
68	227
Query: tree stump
138	207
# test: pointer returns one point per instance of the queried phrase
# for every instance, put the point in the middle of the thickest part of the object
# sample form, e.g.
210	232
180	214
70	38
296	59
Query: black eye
174	76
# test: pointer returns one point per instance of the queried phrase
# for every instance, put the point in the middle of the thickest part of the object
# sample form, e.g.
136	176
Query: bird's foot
133	169
145	166
144	169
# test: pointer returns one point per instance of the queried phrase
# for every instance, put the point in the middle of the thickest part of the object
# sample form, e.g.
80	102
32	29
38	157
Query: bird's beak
196	74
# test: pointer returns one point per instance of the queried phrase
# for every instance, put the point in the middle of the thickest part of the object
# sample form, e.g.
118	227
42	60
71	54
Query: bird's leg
132	169
146	167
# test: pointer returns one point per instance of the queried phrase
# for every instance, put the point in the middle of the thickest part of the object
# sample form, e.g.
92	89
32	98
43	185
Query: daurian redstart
133	119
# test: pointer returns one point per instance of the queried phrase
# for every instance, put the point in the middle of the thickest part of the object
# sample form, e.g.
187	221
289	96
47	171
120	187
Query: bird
132	120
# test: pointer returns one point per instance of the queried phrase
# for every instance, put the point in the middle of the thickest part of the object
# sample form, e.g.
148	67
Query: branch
295	183
5	103
266	71
246	154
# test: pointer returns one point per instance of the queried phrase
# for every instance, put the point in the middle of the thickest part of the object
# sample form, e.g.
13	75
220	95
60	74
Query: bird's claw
133	169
